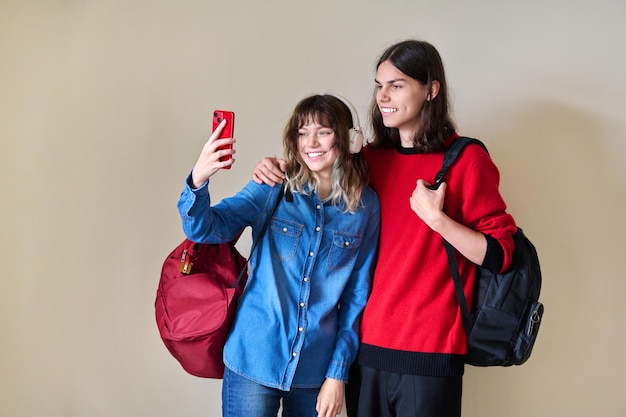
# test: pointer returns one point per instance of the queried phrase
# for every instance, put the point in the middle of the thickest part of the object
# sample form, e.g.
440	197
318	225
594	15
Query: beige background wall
104	105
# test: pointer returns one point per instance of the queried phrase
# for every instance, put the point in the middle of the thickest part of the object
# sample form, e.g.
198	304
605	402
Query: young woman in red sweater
411	358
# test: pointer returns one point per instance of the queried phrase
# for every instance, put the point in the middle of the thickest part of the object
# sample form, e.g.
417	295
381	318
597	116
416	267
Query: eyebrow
390	81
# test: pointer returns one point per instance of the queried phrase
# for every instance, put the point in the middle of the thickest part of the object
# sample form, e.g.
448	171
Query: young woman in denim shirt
296	331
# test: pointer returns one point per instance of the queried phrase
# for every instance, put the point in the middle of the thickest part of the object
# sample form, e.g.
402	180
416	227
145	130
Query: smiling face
400	99
316	146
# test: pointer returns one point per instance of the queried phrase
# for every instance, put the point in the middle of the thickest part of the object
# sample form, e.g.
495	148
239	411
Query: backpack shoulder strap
451	154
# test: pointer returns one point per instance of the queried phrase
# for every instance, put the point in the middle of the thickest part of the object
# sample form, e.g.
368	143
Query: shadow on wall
564	184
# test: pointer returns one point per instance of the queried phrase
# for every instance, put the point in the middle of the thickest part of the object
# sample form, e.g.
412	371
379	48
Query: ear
434	90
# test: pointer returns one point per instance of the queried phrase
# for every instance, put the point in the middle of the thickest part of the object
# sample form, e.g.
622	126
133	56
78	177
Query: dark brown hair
420	61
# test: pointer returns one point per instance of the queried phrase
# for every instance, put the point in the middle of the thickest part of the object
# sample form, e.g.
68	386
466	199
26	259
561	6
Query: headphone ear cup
356	140
356	135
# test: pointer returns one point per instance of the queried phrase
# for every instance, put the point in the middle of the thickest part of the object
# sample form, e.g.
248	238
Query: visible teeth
315	154
388	110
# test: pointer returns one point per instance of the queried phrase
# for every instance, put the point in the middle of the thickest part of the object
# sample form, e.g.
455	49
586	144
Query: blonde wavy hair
350	174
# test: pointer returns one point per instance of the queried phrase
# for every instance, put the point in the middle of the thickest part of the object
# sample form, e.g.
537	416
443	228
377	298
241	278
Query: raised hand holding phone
217	152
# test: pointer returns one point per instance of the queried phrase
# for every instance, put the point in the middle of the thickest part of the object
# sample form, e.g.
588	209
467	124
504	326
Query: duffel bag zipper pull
185	265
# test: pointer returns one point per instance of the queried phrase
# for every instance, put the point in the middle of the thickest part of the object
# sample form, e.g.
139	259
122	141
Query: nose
311	139
382	94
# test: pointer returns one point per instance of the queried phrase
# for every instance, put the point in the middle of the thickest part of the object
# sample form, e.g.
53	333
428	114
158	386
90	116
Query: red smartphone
229	129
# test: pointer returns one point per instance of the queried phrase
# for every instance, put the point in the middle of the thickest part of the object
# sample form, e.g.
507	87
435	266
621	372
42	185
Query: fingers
220	149
421	183
424	187
215	144
218	131
428	204
328	410
330	398
216	154
269	171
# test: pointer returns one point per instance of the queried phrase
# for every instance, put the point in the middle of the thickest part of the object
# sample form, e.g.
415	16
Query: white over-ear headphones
356	134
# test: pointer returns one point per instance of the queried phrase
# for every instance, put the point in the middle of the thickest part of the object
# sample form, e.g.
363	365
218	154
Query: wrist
438	222
193	183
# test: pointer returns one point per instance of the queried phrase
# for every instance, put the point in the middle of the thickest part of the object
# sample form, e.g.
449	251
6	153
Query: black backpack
506	313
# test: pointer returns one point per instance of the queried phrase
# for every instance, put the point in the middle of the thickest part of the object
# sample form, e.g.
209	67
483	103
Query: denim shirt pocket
344	250
285	237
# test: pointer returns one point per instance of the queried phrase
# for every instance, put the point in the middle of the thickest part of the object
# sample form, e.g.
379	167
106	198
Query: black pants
374	393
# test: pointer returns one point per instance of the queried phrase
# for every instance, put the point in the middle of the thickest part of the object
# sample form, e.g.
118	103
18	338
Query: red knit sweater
412	322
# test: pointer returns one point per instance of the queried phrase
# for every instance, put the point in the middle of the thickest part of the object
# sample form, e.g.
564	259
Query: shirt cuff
203	189
494	258
338	370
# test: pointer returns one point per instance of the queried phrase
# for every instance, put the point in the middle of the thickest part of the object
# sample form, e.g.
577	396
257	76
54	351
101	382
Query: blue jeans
242	397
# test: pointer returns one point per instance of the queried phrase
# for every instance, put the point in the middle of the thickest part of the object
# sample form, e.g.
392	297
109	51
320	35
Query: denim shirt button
294	354
301	304
300	329
306	279
311	253
317	229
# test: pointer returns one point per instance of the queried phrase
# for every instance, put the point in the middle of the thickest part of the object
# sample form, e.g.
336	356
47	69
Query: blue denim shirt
298	319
